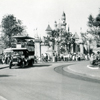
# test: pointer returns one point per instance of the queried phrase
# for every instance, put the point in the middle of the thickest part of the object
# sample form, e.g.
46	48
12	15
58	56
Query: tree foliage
59	37
50	38
10	27
94	25
67	40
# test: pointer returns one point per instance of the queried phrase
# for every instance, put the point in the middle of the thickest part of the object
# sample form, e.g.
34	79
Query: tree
61	38
87	40
94	26
10	27
66	41
50	38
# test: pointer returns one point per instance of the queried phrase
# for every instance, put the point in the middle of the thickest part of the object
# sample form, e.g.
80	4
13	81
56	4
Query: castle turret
48	30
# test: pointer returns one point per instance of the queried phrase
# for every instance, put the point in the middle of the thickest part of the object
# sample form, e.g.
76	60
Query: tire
22	64
32	62
10	65
8	60
26	63
3	60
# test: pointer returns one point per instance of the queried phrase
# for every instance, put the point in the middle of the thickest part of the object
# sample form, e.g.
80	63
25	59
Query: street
45	81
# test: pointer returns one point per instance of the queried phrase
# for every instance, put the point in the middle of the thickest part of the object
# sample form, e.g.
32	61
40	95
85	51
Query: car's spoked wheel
23	64
10	65
3	60
27	63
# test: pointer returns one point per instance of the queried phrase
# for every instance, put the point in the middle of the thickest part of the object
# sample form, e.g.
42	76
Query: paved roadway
46	82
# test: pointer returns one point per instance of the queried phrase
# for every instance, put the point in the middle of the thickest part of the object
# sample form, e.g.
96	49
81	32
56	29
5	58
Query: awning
8	50
23	37
14	49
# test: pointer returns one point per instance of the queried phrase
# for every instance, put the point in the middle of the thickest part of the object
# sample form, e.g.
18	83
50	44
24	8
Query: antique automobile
94	59
21	57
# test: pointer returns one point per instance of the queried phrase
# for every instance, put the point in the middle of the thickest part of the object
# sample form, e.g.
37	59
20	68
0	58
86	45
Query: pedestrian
46	57
79	57
42	57
73	57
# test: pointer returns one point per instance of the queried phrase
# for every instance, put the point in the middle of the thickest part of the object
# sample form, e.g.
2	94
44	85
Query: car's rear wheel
22	64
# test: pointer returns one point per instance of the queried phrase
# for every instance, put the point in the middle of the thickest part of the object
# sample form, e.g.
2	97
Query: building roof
48	28
76	36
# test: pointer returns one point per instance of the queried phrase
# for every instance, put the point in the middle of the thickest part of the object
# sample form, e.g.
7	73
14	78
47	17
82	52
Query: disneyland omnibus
22	54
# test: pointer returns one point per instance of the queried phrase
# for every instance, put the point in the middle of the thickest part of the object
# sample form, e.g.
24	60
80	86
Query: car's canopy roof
19	49
23	37
15	49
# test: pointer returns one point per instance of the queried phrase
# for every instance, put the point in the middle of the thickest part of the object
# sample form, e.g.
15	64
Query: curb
82	74
88	66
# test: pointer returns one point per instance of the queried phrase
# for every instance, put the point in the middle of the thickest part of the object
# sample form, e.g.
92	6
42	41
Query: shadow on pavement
5	75
41	65
35	65
4	67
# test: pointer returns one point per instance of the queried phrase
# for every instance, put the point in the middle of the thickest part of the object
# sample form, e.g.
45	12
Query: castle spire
63	19
55	25
68	29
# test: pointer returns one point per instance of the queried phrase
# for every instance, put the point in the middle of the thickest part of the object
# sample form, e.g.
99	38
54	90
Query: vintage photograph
49	49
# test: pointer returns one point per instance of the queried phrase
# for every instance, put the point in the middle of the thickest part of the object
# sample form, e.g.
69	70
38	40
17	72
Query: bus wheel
32	62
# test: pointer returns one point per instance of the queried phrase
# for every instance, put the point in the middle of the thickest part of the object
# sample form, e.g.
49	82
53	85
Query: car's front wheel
32	62
3	60
10	65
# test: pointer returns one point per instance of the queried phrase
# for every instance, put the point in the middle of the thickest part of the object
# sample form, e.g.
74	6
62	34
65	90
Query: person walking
46	57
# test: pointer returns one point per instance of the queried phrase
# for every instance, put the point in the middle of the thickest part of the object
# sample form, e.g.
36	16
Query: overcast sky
39	13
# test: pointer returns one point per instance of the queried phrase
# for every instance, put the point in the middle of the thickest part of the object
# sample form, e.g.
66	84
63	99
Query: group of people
95	58
45	57
72	57
64	57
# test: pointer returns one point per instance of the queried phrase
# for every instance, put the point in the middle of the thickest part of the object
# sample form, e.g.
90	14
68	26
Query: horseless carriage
95	59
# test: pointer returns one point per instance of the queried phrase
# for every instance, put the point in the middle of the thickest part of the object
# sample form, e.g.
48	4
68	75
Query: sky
37	14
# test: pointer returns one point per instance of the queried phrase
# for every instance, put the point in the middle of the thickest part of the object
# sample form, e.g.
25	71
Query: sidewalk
83	68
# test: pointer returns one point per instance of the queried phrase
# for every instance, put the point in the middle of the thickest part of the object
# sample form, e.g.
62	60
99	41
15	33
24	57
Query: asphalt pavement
77	67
